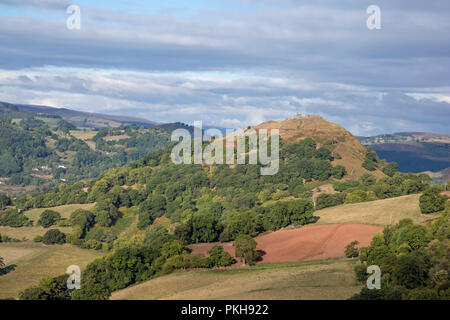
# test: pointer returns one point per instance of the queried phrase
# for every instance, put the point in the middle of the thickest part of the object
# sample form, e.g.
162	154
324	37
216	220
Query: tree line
414	261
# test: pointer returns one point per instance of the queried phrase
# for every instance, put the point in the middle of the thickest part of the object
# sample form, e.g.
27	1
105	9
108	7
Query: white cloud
217	100
238	67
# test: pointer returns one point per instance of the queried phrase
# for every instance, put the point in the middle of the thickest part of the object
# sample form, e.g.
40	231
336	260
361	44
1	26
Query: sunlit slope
379	212
33	261
332	279
348	151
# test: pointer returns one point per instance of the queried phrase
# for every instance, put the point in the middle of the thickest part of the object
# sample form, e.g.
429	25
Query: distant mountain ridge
442	176
45	146
405	137
413	151
40	150
89	120
81	118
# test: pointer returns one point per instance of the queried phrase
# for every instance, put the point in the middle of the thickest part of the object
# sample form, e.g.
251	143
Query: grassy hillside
207	203
79	118
65	211
30	232
329	279
346	149
40	151
164	207
378	212
85	136
34	261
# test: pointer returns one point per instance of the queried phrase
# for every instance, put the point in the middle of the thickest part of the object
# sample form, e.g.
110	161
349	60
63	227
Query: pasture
33	261
378	212
30	232
309	280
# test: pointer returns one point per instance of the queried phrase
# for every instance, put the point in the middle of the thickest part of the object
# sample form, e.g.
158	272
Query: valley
43	150
283	253
413	151
182	222
213	150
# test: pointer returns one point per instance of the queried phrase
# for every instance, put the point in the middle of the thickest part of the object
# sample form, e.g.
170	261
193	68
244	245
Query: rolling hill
379	212
311	280
39	151
83	120
80	119
299	279
44	146
152	205
346	149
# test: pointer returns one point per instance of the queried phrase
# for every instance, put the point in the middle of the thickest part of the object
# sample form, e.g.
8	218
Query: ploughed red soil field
304	243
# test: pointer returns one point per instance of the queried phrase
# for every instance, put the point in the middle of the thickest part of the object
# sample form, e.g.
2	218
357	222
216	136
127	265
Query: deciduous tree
245	249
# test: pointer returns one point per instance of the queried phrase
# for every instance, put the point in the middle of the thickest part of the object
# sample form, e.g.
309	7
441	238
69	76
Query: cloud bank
237	64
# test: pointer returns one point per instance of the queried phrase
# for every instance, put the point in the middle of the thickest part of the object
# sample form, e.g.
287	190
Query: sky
234	63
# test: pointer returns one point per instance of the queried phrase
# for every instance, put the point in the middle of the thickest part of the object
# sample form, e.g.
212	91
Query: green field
86	136
328	279
51	122
379	212
34	261
30	232
65	211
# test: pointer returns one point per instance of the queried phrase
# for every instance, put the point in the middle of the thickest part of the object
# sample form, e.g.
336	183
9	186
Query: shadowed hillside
413	151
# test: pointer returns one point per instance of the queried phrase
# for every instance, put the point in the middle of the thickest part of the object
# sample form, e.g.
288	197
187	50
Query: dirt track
305	243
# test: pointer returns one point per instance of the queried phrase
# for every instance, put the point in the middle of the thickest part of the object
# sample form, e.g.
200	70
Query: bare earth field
34	261
304	243
313	242
297	263
337	226
332	279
